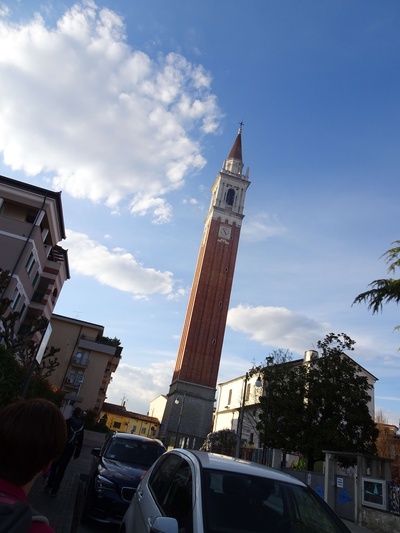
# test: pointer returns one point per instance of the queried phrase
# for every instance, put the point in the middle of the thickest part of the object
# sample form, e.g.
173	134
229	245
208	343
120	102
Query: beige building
31	228
117	418
87	361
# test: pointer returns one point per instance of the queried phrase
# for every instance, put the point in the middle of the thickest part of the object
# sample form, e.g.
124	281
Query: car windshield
133	452
239	504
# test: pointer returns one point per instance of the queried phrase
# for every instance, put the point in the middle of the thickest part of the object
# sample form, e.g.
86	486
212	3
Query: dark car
116	472
200	492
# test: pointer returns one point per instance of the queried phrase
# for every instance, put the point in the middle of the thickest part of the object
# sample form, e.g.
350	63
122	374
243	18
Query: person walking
75	434
32	434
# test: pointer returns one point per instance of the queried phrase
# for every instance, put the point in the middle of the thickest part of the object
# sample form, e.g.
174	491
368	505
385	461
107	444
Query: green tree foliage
319	405
384	290
12	377
223	441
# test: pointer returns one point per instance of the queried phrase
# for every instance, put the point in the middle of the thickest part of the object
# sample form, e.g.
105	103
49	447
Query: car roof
129	436
239	466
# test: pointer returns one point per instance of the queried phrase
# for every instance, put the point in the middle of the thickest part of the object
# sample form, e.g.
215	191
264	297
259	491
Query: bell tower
188	413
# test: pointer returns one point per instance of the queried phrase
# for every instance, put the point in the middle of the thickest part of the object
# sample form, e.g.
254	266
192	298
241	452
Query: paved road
64	510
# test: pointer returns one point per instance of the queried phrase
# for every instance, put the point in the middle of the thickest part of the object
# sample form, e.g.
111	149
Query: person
75	434
33	433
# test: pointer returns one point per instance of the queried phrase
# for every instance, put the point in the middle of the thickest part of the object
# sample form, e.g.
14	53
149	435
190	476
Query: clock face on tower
224	232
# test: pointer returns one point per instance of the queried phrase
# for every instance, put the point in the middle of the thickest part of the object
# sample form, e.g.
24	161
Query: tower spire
234	162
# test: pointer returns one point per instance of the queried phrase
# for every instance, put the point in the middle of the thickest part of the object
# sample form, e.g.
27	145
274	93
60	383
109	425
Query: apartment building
117	418
87	361
31	228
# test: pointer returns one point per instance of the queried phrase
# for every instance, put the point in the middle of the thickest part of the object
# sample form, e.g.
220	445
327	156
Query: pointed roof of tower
236	152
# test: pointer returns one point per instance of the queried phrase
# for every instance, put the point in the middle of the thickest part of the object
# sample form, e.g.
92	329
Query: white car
199	492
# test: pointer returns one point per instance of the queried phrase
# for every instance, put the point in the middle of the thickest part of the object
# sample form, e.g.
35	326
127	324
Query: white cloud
119	269
140	385
277	326
102	120
260	227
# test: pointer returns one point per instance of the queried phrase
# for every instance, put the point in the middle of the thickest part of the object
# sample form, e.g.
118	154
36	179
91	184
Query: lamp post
264	385
241	416
177	402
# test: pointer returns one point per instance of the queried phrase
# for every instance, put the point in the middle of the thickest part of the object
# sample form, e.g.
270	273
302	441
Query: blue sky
130	108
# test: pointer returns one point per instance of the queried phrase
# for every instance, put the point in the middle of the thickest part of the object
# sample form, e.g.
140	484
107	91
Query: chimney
309	355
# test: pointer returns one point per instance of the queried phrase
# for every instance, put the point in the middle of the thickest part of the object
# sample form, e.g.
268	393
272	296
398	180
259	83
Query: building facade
117	418
31	228
87	361
188	414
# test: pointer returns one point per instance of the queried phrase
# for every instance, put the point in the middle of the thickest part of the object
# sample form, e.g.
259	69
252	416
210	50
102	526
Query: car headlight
102	483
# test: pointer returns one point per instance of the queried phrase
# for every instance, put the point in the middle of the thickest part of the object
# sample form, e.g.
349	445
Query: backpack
17	516
73	435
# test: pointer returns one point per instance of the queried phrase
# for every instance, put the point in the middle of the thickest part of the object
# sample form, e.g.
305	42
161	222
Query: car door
167	492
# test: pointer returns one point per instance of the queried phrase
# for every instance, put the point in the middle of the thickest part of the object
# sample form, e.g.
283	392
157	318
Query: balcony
94	346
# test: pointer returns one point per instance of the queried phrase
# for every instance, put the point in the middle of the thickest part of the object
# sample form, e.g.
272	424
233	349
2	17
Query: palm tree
384	290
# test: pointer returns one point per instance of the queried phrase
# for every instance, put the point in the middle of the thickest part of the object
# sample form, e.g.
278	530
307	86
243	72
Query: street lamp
259	383
177	402
241	416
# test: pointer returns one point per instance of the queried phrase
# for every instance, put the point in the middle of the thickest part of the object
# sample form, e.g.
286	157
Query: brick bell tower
188	413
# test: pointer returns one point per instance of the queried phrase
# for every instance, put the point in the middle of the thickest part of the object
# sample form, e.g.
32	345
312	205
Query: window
230	397
117	425
15	299
143	431
75	378
35	279
248	392
30	263
82	358
171	485
230	196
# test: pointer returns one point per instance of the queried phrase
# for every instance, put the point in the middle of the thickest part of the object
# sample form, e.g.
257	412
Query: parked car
115	473
199	492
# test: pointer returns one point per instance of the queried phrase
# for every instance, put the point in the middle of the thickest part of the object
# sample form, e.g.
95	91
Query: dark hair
77	412
32	434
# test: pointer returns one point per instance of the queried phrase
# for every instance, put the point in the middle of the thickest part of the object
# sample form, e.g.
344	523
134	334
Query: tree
24	347
384	290
12	377
223	441
319	405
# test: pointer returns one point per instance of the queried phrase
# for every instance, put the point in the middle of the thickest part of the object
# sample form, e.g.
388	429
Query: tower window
214	342
230	197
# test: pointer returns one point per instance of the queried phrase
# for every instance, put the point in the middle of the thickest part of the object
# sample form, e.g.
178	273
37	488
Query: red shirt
16	494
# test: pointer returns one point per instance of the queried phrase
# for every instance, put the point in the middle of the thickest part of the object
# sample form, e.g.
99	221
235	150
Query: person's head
32	434
77	412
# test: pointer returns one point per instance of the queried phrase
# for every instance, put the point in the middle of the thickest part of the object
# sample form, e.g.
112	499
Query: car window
239	503
177	501
171	486
161	477
307	512
133	452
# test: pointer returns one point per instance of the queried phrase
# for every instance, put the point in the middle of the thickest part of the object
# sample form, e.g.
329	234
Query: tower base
188	415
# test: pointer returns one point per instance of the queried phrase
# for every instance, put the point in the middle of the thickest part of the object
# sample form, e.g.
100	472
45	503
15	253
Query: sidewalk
60	510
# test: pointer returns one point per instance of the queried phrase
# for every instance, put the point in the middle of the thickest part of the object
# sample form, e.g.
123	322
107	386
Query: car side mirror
96	452
163	524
